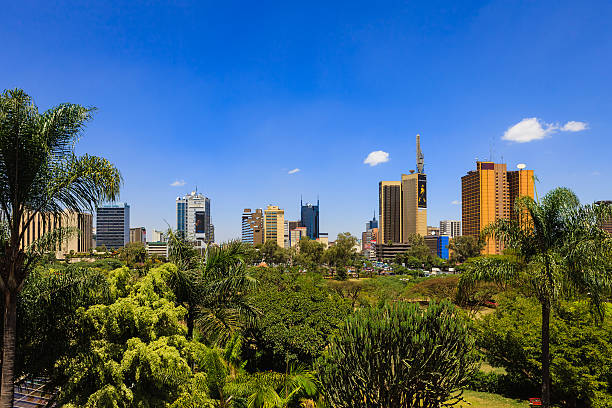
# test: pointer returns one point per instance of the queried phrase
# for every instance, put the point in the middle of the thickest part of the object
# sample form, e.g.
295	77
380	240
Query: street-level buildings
113	225
489	194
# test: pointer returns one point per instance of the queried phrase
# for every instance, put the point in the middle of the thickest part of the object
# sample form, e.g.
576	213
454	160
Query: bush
399	356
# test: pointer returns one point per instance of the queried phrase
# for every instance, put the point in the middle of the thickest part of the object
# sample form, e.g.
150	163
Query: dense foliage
399	356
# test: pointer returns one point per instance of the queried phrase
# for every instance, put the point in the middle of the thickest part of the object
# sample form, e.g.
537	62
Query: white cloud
529	129
574	126
293	171
178	183
595	173
376	157
455	202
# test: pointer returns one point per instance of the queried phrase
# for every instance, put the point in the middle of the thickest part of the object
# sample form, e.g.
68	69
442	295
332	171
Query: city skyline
339	106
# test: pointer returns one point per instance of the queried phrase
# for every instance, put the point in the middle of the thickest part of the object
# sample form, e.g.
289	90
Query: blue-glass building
372	224
310	219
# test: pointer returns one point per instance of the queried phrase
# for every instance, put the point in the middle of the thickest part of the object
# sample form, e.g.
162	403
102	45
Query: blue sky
231	96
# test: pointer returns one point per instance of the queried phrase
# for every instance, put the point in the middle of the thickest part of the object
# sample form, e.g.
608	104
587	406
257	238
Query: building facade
433	231
438	245
489	194
296	235
45	223
138	234
450	228
113	225
274	225
253	226
390	211
193	218
310	219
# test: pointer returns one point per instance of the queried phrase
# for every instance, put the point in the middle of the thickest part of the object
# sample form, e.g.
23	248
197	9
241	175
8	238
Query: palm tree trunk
8	352
546	354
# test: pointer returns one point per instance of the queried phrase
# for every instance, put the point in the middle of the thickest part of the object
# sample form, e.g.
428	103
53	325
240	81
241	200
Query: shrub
399	356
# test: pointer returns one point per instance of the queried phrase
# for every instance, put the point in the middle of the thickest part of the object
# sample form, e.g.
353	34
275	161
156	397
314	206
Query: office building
373	223
159	249
388	252
310	219
158	236
253	226
489	194
193	218
368	243
403	204
433	231
296	235
450	228
138	234
438	245
323	239
390	211
44	223
274	225
113	225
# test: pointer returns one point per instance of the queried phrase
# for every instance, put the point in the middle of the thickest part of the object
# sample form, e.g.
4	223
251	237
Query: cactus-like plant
399	356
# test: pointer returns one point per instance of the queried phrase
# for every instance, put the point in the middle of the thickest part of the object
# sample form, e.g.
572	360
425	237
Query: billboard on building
199	222
422	191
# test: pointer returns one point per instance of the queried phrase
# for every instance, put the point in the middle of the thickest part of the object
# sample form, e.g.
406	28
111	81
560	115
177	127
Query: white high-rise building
451	228
193	217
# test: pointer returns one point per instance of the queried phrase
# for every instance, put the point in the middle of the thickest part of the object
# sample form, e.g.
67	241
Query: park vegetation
242	326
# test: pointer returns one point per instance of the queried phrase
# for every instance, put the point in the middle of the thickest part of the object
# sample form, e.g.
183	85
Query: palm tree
39	173
557	250
212	288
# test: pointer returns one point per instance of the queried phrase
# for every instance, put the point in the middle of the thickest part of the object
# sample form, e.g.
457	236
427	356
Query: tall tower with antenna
420	159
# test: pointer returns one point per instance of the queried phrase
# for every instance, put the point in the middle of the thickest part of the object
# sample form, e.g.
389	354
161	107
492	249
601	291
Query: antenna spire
420	159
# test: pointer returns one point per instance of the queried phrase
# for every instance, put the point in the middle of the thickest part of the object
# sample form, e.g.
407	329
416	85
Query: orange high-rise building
489	194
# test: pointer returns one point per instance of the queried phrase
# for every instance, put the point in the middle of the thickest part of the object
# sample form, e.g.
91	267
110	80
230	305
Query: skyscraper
450	228
489	194
193	217
253	226
44	223
403	204
373	223
390	211
310	219
274	225
138	234
113	225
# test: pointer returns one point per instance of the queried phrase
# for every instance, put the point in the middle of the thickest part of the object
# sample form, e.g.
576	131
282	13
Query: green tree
399	356
133	252
581	350
465	247
212	289
310	253
559	250
40	173
342	253
298	315
272	254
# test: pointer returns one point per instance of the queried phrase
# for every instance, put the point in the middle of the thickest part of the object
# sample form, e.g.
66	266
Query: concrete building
138	234
113	225
368	243
274	225
296	234
44	223
450	228
193	218
414	205
387	252
158	236
433	231
489	194
290	226
253	226
159	249
324	239
310	219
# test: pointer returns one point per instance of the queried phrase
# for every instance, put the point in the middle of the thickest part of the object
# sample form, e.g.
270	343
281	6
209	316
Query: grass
485	400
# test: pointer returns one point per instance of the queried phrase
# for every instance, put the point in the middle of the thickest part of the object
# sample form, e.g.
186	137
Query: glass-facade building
113	225
310	219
